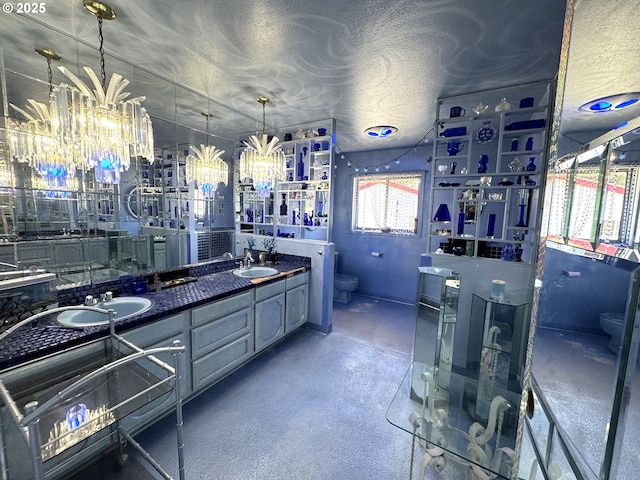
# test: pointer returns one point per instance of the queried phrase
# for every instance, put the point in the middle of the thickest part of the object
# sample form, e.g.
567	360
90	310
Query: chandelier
83	128
34	142
262	160
206	166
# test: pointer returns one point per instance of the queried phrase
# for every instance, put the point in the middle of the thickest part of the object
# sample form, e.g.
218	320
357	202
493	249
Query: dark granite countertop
46	337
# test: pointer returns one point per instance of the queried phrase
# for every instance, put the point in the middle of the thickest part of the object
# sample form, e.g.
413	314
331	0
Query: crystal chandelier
34	141
262	160
82	128
206	167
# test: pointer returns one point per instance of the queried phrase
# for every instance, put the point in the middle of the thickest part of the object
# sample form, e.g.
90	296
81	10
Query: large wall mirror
153	219
584	363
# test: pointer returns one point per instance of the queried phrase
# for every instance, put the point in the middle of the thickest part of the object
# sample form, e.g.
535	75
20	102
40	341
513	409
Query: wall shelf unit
488	168
300	206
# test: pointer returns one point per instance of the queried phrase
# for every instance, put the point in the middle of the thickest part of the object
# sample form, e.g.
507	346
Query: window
386	203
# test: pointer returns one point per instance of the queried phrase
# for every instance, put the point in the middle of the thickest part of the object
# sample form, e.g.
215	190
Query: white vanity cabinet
221	338
297	301
158	334
270	314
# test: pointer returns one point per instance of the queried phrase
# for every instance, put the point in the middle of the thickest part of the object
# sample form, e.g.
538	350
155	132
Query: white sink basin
124	307
256	272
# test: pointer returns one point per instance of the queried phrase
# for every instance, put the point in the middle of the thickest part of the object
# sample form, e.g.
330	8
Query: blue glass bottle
300	168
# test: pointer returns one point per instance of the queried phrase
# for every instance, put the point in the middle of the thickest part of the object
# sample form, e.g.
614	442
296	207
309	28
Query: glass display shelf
106	398
485	444
501	327
77	402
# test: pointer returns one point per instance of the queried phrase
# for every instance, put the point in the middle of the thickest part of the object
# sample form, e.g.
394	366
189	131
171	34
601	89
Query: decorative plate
486	133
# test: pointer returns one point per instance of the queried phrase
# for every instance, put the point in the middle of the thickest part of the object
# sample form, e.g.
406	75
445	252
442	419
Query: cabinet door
269	321
68	252
297	307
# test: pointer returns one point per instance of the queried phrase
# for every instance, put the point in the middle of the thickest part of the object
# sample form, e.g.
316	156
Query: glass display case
497	344
435	331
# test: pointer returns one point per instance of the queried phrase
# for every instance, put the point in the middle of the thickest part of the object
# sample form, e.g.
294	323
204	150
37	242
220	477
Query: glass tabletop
472	423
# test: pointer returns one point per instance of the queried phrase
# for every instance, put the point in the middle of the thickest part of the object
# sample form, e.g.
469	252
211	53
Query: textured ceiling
603	60
361	62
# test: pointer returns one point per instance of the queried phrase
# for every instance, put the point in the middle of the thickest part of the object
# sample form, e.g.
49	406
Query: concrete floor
312	407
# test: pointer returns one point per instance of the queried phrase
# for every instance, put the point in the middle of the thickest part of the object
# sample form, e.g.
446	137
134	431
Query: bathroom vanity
222	320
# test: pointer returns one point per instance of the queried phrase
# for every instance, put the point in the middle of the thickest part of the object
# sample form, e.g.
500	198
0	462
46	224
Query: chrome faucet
246	262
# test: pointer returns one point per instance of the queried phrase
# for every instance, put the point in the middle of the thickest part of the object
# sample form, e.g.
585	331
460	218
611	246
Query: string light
350	163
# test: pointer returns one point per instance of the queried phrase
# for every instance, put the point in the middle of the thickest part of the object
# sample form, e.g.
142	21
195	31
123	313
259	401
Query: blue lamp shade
442	214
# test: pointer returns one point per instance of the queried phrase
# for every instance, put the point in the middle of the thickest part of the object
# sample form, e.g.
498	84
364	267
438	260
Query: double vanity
223	319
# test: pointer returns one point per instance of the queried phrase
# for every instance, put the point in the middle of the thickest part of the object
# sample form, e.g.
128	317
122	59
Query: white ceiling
361	62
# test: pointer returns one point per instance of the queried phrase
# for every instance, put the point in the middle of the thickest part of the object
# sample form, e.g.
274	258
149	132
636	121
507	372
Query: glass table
483	443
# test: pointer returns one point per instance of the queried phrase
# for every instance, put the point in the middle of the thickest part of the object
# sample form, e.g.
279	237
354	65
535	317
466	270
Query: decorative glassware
503	106
453	168
529	144
491	225
514	145
482	163
522	205
515	165
507	253
442	214
442	169
460	229
531	167
480	108
486	133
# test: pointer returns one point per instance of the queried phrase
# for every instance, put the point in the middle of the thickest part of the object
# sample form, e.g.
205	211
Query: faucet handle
108	296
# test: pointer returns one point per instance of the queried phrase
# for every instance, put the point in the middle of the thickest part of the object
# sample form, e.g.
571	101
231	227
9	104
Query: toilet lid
344	277
614	317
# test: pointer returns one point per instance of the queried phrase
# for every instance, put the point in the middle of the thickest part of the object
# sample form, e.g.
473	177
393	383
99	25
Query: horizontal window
386	203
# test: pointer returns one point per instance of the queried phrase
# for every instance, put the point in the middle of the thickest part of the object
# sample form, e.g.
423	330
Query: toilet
613	323
343	284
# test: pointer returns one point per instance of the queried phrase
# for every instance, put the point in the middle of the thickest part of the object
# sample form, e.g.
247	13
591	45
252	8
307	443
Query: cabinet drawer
157	332
296	280
215	364
270	290
216	333
221	308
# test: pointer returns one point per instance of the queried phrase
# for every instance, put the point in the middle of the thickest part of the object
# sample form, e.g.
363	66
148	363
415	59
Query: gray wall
394	275
575	303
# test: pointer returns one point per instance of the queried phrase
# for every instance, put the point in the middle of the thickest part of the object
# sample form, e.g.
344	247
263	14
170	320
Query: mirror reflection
153	218
585	368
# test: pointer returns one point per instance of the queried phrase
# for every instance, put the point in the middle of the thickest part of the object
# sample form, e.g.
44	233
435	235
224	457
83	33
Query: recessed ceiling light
611	103
381	131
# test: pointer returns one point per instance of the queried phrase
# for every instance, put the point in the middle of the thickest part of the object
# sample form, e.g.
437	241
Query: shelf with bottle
489	161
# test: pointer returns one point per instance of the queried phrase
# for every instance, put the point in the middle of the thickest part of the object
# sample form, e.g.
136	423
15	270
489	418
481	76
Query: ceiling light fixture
611	103
82	128
262	160
206	167
381	131
33	142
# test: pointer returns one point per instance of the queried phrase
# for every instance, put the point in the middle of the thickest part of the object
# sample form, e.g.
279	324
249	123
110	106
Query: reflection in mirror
585	203
142	224
559	181
584	365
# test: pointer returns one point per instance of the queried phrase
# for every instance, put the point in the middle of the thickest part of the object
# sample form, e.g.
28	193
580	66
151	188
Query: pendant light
262	160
